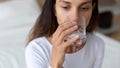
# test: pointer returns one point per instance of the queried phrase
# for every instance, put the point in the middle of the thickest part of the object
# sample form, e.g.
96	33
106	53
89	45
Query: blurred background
18	16
109	23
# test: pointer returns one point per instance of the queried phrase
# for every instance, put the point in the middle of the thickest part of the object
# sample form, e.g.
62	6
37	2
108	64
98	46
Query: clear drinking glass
81	32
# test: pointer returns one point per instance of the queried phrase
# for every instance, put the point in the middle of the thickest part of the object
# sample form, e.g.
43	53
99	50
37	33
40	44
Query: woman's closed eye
66	7
85	8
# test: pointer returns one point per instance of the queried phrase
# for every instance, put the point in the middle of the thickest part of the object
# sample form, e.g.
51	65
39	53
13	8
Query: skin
67	13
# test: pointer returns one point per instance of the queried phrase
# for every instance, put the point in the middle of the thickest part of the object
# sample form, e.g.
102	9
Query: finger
60	30
71	41
63	27
67	32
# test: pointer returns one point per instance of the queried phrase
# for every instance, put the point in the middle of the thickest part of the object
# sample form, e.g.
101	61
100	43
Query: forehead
75	2
72	0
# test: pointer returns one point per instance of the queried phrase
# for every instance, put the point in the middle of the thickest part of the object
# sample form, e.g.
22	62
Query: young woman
48	46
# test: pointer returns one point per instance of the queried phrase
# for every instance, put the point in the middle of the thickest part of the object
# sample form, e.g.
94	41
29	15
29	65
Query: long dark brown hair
47	22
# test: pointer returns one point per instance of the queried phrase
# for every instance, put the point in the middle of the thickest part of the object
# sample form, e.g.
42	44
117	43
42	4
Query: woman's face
72	10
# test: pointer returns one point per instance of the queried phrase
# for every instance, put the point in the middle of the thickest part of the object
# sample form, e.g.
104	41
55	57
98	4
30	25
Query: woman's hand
59	43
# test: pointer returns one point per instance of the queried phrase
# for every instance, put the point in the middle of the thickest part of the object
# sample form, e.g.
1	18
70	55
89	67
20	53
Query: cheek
60	15
88	17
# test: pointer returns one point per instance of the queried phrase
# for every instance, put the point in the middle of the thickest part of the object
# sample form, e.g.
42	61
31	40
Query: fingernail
79	42
75	26
77	36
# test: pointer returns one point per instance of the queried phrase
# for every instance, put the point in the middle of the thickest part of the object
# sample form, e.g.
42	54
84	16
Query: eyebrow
70	2
86	2
65	1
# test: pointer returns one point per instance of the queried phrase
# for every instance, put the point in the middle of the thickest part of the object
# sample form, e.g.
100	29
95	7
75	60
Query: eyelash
66	8
85	8
82	8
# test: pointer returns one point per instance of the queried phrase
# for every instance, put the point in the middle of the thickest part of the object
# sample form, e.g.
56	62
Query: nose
75	15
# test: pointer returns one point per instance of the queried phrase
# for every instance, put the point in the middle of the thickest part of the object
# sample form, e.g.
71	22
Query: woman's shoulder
36	42
94	38
37	52
97	41
38	45
39	41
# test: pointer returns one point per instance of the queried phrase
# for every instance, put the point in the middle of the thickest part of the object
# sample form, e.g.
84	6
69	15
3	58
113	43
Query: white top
39	50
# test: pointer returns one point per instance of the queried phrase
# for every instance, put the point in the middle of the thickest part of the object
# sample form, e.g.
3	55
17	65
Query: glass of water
81	32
